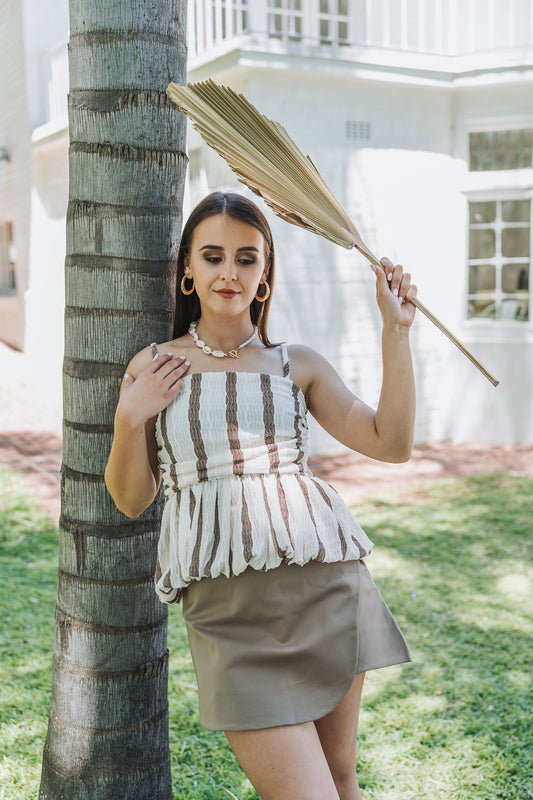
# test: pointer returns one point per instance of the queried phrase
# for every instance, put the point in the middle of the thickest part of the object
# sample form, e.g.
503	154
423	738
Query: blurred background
419	115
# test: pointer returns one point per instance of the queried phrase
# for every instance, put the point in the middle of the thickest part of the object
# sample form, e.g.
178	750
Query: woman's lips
226	293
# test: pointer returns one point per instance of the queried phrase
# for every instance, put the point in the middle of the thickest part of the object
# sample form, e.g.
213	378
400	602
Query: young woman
282	615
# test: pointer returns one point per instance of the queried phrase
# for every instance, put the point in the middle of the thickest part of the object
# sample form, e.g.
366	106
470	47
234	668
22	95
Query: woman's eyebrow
219	247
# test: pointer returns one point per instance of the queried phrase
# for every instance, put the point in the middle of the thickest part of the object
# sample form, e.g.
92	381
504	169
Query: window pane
481	278
324	29
515	278
343	31
481	308
516	210
514	308
491	150
482	243
343	8
482	212
515	242
324	6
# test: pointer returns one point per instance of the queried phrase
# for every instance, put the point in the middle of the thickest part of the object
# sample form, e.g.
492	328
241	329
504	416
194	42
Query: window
285	19
8	283
499	259
492	150
499	241
333	22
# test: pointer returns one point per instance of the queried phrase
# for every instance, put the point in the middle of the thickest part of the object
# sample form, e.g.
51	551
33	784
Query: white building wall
406	185
475	411
45	299
15	174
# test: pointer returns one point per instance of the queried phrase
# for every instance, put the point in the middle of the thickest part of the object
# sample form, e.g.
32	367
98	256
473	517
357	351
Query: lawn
454	564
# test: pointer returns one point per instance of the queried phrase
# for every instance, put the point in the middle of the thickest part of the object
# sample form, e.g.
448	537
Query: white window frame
498	260
515	184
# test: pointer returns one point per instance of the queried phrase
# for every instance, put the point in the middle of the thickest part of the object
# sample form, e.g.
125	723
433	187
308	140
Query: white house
418	113
33	175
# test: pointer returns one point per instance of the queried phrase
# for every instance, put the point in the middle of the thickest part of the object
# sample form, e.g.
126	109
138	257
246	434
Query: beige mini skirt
283	646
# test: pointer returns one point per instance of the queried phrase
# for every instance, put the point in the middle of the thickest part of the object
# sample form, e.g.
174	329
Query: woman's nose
228	270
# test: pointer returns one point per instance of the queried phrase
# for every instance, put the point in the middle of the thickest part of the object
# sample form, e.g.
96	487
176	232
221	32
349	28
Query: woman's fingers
167	365
411	292
398	280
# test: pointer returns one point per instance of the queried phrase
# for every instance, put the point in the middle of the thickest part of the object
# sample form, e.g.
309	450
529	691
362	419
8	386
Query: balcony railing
441	27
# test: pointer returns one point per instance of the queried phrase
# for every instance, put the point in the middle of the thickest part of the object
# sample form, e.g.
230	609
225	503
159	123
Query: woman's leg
337	732
285	763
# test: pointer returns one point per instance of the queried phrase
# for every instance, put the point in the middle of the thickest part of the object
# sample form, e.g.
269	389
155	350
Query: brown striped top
233	456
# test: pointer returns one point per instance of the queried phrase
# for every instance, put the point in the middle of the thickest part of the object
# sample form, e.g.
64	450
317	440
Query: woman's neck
224	334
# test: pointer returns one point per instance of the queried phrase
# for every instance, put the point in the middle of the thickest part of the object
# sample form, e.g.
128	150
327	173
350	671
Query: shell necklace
218	353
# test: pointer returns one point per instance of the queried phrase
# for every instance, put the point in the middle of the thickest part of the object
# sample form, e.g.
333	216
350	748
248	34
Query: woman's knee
346	784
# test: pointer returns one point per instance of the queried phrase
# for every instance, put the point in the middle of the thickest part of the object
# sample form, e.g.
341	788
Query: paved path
30	444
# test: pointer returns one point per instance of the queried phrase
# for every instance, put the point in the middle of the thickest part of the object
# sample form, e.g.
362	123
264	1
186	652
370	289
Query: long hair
187	307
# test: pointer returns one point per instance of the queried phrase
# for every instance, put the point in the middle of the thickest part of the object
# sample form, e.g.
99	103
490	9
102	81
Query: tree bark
108	726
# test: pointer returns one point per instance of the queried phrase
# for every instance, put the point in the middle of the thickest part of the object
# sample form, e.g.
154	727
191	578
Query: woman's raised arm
386	433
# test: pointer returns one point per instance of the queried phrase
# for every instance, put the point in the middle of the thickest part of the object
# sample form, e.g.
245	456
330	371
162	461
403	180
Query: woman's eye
213	259
246	262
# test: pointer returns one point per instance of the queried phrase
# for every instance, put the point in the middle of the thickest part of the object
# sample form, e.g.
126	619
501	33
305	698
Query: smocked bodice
227	424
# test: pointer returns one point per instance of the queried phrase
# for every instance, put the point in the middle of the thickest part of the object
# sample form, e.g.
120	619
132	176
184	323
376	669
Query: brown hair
187	307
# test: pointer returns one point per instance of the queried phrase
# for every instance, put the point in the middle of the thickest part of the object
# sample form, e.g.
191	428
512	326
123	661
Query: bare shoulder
303	357
140	361
145	356
306	365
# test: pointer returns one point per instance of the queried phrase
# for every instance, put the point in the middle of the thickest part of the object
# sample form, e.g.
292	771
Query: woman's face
227	259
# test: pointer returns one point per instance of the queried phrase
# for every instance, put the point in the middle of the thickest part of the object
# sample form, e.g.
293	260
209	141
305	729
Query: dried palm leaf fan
264	157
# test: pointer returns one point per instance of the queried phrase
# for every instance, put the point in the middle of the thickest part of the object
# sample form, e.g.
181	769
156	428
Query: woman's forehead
221	229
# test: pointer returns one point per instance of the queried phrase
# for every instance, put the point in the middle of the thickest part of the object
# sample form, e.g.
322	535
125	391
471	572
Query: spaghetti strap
155	354
285	361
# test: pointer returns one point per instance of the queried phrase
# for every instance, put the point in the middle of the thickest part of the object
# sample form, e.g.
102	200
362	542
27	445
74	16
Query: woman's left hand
393	292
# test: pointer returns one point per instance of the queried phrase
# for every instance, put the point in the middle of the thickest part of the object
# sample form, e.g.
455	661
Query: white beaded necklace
218	353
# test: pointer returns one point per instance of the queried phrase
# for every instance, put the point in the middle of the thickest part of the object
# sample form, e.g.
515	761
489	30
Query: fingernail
373	268
395	292
187	363
389	276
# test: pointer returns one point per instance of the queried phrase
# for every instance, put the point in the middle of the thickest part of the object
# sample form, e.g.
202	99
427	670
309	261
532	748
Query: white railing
53	78
445	27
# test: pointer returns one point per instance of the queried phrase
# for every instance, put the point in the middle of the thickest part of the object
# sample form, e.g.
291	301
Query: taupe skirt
283	646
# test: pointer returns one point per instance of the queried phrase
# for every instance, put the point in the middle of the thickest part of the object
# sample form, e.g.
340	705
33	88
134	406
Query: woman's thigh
285	762
337	732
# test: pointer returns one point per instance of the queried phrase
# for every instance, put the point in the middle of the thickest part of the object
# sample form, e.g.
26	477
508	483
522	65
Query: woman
282	616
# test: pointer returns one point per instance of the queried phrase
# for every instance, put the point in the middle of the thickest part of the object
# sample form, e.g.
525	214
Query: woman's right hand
143	397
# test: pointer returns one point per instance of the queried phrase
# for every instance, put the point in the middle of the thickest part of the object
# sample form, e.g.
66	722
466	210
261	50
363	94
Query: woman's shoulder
305	364
145	356
140	361
304	356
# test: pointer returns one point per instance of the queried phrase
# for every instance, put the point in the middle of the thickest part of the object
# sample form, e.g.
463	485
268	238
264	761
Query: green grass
455	567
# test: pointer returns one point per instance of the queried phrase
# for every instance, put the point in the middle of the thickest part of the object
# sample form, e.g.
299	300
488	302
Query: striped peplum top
233	456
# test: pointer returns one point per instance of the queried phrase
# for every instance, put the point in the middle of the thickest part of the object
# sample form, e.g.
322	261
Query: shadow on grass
456	570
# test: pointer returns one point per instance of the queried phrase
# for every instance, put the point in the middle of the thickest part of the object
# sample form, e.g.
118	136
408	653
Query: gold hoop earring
266	295
182	285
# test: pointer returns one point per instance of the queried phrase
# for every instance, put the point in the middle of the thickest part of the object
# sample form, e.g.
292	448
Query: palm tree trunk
108	726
